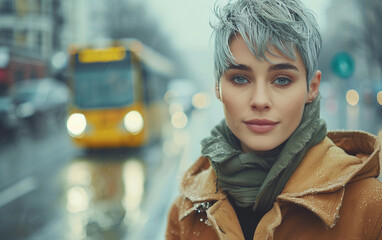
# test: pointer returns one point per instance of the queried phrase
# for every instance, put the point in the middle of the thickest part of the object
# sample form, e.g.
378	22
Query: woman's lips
260	125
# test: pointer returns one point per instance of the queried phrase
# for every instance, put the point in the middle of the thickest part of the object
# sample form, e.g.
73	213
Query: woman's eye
282	81
239	80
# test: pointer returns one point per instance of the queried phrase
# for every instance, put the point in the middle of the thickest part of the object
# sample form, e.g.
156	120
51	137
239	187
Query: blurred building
30	33
81	18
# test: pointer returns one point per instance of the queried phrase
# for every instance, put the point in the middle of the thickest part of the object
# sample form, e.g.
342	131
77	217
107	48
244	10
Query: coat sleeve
173	231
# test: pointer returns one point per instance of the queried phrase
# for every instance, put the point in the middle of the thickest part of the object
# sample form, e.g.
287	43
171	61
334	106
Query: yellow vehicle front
107	109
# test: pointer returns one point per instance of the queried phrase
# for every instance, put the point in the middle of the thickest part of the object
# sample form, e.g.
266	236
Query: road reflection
103	196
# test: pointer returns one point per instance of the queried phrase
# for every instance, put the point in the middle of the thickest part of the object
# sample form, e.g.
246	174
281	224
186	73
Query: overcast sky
188	20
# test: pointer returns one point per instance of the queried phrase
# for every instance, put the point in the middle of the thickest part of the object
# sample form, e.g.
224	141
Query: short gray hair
286	24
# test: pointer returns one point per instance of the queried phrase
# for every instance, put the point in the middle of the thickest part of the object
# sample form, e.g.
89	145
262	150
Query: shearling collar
198	183
318	183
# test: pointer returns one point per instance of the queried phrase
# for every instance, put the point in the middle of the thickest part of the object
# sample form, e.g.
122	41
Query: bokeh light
352	97
379	97
179	120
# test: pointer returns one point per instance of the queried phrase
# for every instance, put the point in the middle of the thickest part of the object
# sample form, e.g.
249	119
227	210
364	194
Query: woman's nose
260	99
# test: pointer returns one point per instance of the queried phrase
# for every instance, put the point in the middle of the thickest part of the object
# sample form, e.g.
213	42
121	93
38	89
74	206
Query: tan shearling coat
333	194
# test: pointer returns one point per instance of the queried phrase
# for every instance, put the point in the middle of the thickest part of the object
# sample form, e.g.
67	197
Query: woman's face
264	100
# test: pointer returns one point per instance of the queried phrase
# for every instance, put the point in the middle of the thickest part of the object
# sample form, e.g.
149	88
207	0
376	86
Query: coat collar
197	184
318	182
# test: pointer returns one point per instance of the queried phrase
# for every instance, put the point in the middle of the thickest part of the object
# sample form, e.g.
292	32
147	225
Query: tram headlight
133	122
76	124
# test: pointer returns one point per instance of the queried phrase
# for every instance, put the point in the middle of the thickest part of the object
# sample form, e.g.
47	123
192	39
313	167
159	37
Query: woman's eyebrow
282	66
239	67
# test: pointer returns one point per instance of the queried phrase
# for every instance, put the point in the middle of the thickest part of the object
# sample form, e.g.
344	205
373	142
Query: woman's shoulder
341	158
362	205
367	190
362	145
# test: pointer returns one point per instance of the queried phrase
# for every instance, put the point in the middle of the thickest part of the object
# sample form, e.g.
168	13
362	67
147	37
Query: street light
352	97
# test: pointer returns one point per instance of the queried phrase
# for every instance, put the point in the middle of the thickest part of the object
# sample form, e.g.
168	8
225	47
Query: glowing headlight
133	122
76	124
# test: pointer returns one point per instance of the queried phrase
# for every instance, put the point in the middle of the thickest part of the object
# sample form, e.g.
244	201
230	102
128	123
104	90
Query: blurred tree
353	27
371	34
131	19
124	18
338	36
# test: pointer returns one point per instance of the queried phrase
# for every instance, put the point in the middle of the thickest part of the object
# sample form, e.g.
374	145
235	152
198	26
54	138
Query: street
49	189
137	78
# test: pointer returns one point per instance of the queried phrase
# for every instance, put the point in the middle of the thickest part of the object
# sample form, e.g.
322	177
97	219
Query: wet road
30	189
51	190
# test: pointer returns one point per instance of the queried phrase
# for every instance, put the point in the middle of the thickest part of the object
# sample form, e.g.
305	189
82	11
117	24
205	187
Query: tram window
154	86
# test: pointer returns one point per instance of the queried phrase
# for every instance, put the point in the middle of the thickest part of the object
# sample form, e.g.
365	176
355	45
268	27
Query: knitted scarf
256	180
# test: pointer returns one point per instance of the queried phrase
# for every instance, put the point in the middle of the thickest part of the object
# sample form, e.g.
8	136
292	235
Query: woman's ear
314	86
217	90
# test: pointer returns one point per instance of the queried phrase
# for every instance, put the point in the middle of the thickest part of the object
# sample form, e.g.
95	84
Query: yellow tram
117	90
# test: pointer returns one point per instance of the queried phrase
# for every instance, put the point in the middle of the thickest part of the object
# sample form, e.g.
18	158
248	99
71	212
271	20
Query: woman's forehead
240	50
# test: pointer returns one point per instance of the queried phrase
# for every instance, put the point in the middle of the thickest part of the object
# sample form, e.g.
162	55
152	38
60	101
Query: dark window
19	75
33	74
6	35
3	89
104	85
39	39
6	6
39	6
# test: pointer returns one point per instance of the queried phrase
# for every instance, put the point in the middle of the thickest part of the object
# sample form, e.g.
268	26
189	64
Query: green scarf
256	180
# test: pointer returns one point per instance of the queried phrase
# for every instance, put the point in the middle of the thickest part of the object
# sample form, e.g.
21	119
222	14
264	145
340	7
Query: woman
270	170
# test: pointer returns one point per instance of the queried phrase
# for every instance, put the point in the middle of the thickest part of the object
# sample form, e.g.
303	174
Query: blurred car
8	119
37	98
